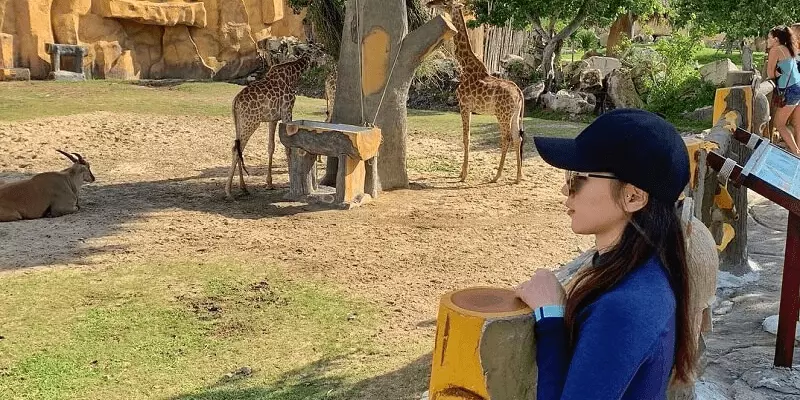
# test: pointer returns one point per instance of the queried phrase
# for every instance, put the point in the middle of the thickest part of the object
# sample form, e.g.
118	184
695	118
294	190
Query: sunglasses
575	179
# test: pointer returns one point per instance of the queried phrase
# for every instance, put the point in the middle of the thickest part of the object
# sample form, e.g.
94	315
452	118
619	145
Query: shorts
793	95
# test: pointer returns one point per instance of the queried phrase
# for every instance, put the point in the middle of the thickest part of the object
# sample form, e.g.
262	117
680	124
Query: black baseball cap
637	146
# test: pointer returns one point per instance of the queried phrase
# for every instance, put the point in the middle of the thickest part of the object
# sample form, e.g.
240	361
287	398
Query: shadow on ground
319	380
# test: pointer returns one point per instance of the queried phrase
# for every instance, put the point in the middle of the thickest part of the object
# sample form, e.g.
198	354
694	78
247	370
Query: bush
674	97
585	40
676	85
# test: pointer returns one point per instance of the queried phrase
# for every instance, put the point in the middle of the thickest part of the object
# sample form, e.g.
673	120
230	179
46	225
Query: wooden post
302	174
485	347
733	107
790	285
790	295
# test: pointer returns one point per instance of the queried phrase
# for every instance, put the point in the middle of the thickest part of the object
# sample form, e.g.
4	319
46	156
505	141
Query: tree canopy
737	19
327	17
539	13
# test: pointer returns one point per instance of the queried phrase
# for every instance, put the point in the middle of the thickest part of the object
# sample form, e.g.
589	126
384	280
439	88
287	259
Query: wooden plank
790	295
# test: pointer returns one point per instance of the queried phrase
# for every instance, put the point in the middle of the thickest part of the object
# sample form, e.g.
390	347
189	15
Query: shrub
676	85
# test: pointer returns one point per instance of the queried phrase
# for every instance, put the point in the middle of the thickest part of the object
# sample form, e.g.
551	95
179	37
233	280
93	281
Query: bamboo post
485	347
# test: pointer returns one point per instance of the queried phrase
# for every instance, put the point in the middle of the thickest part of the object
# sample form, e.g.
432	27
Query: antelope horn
80	159
70	156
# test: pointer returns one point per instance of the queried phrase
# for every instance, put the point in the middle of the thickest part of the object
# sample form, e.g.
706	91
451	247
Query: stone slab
15	74
66	76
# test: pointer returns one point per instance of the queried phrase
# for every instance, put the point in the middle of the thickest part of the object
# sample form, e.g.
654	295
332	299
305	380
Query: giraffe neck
289	73
468	60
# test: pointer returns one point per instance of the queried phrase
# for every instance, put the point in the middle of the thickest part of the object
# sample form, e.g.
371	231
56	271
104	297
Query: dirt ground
159	196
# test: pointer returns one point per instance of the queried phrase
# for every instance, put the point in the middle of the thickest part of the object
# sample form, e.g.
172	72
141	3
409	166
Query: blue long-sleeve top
625	345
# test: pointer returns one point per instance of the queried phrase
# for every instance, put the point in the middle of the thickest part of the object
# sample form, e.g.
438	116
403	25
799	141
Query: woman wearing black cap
622	326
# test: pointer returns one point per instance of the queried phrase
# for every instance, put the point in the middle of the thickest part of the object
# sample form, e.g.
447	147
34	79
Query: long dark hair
785	37
653	230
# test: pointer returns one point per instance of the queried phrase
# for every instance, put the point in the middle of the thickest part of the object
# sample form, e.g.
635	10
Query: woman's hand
541	290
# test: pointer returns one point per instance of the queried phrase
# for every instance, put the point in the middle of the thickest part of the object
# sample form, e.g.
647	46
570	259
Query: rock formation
131	39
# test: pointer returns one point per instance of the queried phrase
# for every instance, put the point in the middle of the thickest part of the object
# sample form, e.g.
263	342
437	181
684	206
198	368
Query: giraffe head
310	52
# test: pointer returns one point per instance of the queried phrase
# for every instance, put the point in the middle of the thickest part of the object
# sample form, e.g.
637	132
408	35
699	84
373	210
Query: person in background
782	66
622	327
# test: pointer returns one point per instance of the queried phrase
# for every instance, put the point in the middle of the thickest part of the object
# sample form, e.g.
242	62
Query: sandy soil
159	196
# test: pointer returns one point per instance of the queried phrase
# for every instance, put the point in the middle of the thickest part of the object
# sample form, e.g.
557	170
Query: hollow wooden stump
485	347
356	148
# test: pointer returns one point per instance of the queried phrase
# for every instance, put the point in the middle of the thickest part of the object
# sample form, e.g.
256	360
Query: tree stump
355	147
485	347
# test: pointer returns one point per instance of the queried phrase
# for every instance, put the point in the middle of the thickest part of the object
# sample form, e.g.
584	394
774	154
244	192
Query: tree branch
537	24
421	41
583	11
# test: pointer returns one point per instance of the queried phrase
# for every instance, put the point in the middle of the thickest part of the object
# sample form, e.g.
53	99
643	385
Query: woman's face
771	41
594	208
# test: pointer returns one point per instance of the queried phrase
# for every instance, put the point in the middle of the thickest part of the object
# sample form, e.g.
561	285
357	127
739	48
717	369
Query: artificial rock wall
156	39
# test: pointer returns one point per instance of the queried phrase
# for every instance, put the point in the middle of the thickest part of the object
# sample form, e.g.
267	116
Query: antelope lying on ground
49	194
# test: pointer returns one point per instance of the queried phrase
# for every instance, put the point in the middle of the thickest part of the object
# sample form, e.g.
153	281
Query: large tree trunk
622	26
376	64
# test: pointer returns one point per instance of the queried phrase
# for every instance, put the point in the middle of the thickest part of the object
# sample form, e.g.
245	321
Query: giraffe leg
503	150
247	131
517	134
466	116
505	139
271	151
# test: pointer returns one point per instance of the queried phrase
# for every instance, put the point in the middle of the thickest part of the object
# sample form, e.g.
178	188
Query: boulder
568	101
123	68
622	91
604	64
180	58
590	79
6	50
66	16
222	38
717	71
163	14
15	74
105	55
533	92
701	114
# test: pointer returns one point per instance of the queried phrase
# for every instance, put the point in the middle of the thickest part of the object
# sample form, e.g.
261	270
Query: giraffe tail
237	143
521	125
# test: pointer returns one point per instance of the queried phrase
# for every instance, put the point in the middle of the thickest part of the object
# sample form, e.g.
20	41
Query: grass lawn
709	55
178	330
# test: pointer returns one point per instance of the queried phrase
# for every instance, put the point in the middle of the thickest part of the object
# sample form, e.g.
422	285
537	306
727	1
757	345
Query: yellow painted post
485	347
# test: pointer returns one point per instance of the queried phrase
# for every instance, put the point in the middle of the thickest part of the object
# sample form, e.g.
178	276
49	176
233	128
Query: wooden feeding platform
356	147
485	347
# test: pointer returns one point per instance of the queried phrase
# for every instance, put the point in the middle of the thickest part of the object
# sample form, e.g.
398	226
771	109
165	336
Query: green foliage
678	87
623	46
738	19
585	39
522	13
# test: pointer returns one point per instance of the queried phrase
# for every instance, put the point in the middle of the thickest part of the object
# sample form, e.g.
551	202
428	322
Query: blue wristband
551	311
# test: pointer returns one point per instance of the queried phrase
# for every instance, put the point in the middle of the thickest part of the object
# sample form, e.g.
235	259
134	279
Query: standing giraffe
270	99
480	92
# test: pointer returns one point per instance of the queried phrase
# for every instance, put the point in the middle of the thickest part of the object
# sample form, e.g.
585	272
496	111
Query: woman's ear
634	199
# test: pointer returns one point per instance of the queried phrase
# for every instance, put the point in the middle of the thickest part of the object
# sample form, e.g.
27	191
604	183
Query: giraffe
269	99
330	93
480	92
